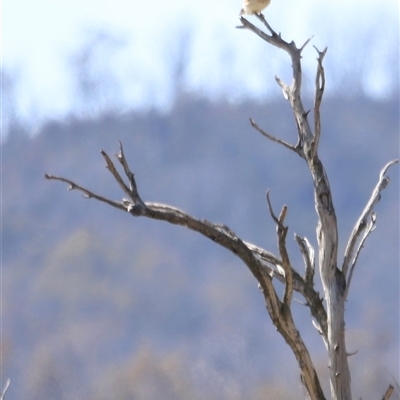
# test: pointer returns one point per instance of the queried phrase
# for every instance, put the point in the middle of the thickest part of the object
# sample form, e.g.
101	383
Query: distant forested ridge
86	307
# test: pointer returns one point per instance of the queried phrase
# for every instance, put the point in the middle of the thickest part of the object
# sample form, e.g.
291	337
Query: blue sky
40	37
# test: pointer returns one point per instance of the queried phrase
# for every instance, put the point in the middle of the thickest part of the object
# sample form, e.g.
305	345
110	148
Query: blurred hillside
97	305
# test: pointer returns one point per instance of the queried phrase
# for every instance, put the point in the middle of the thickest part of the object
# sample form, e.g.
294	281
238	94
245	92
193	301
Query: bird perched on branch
254	6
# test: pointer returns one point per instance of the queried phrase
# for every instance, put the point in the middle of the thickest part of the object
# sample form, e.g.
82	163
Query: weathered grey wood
5	388
364	226
388	393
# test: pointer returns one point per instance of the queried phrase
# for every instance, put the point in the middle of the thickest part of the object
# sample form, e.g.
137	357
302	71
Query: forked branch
262	264
270	264
365	222
292	92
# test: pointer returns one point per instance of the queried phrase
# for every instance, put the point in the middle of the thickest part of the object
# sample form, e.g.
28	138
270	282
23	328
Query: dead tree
265	265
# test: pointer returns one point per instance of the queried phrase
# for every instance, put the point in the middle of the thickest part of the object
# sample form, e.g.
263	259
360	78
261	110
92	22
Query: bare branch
219	234
281	231
309	258
117	176
215	232
121	158
319	91
279	312
273	39
285	88
317	326
131	177
362	223
314	302
179	217
276	35
388	393
370	227
271	211
353	353
6	386
264	254
87	193
306	43
270	137
292	92
264	21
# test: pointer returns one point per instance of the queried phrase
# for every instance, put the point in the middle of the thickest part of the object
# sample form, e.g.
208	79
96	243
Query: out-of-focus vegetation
99	305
